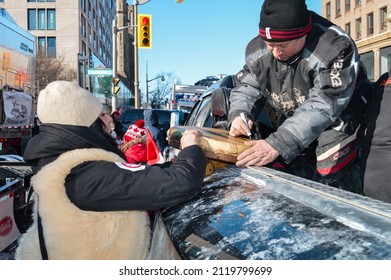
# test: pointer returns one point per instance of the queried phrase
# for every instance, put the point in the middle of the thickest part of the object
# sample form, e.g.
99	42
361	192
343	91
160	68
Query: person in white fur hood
88	202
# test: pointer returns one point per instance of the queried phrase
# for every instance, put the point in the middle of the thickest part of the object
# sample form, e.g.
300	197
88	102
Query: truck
184	97
17	85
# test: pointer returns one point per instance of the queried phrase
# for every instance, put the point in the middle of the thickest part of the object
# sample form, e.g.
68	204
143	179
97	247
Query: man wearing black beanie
306	72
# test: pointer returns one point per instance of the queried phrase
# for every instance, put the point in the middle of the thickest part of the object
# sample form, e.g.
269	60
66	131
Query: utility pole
146	81
136	75
114	65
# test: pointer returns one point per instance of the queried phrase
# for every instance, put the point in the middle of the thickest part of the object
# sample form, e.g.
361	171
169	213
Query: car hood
259	213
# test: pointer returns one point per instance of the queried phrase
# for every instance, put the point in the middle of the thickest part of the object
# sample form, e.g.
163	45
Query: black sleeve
104	186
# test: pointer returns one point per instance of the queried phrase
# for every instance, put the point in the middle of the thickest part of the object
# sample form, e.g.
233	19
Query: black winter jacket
108	186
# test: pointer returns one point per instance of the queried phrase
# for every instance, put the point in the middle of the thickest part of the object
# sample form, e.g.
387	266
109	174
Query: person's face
107	120
285	50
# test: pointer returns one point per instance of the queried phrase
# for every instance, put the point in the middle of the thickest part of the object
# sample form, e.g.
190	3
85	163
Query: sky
199	38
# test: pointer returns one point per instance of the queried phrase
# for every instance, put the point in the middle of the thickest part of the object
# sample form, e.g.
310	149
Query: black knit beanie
284	20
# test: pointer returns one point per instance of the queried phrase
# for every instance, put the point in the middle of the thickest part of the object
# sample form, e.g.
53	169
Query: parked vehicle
17	77
261	213
15	202
185	96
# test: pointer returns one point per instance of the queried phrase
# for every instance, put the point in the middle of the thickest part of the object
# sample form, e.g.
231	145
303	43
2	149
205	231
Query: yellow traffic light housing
144	31
116	88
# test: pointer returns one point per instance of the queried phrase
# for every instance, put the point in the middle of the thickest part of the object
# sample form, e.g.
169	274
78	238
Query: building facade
367	22
77	31
125	39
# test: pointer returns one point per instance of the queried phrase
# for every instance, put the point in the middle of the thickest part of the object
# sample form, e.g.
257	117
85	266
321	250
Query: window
32	19
89	34
42	46
51	19
83	27
83	5
41	19
31	0
368	60
337	8
95	43
47	46
370	24
385	59
348	28
358	29
89	11
383	18
51	50
328	10
347	5
358	2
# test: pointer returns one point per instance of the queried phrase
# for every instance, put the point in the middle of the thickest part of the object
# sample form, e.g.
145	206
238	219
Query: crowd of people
330	127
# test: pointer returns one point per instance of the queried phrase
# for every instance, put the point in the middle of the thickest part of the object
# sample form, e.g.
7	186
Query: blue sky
199	38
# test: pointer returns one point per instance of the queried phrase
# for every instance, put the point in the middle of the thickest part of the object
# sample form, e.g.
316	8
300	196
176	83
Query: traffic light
144	31
116	88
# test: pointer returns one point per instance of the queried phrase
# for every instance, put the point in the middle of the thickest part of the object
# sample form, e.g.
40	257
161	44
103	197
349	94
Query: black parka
106	186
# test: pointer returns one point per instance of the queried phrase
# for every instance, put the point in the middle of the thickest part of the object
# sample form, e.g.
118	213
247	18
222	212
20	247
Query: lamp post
147	81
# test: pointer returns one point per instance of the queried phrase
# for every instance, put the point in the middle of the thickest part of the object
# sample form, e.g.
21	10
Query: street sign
100	71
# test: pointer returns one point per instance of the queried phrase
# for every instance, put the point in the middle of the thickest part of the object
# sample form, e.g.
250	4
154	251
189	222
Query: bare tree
160	96
48	69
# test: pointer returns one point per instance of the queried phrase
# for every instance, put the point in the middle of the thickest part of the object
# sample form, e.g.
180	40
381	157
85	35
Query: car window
131	117
201	114
164	117
193	114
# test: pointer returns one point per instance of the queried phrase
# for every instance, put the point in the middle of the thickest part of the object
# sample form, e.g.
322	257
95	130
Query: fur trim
71	233
126	145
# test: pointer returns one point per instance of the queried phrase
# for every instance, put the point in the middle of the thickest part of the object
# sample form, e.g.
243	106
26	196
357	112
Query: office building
367	22
80	33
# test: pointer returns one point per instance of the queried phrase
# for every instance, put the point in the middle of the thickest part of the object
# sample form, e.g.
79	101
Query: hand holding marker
243	116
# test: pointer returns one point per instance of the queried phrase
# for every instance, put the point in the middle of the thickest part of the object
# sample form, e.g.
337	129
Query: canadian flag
154	155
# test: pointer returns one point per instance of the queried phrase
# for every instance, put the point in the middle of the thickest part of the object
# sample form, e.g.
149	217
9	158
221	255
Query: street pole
146	81
136	78
114	65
